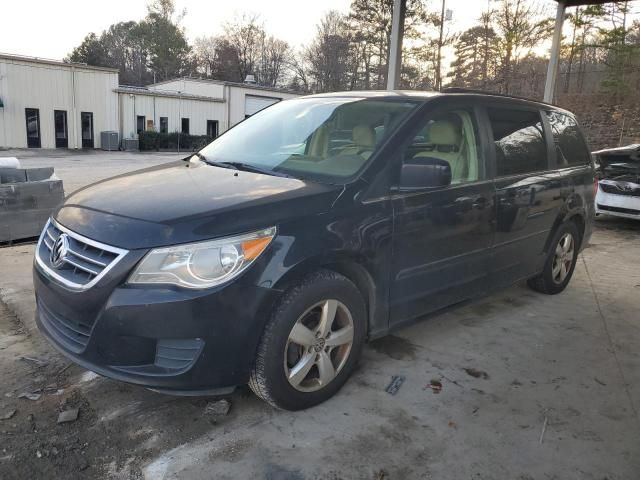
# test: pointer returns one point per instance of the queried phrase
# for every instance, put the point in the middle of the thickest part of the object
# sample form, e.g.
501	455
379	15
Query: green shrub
150	140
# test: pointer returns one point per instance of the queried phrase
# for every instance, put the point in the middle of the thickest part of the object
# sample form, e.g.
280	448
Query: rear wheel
560	263
311	343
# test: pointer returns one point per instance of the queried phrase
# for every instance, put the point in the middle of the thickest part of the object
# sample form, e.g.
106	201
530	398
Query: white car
619	181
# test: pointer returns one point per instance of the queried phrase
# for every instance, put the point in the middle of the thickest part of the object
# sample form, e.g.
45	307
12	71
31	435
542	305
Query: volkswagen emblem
59	251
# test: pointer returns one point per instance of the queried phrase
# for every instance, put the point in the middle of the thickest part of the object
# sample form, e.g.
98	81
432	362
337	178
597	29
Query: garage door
253	103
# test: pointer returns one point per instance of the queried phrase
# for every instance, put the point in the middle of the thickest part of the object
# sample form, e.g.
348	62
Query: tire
551	280
280	357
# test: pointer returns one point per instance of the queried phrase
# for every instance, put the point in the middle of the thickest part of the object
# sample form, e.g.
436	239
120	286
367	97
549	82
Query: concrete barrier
27	198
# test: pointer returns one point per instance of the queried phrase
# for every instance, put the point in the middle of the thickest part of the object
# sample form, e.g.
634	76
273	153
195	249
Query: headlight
202	264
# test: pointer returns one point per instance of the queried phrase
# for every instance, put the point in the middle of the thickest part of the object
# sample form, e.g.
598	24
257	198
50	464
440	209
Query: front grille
73	335
83	262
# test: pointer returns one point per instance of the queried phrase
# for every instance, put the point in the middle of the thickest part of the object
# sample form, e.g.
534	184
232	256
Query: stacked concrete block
27	198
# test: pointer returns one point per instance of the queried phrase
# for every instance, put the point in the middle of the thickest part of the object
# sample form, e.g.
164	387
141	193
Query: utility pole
552	70
438	72
395	52
485	60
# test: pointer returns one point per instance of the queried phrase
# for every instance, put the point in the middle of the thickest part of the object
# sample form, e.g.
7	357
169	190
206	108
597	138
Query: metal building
52	104
49	104
241	99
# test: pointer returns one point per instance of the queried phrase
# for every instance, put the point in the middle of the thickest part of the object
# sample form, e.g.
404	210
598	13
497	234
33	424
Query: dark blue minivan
270	256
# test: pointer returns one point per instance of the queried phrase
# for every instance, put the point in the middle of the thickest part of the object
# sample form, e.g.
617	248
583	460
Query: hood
188	201
619	164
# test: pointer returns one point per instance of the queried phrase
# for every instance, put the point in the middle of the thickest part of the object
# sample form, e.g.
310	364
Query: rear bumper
171	340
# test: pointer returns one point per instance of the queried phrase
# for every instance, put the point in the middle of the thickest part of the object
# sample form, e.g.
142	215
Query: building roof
47	61
232	84
165	93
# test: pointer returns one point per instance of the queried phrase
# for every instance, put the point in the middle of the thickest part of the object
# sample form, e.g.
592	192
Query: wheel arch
575	216
350	267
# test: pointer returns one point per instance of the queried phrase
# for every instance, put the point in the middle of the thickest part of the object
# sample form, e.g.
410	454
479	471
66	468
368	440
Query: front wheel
561	262
311	343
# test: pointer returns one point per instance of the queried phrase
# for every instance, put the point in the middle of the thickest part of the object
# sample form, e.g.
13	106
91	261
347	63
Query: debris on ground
37	361
472	372
599	381
68	415
395	384
381	475
218	408
8	415
453	425
544	428
30	395
435	385
452	381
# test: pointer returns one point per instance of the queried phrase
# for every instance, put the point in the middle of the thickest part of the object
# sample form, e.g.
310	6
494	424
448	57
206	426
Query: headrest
443	132
364	135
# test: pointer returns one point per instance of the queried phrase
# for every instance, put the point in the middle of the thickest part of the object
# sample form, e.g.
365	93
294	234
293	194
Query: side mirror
425	172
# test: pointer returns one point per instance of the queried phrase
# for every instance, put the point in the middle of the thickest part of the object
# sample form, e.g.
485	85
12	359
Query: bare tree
257	53
521	25
328	57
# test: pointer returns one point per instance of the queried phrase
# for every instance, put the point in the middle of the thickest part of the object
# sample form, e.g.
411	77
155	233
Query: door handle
479	203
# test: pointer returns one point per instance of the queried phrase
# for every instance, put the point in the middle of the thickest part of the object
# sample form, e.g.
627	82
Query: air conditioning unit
109	140
130	144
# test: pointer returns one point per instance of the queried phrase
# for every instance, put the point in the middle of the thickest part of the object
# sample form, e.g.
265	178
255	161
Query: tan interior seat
364	141
319	143
447	142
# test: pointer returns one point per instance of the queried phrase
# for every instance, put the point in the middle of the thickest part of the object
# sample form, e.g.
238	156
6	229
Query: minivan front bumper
184	342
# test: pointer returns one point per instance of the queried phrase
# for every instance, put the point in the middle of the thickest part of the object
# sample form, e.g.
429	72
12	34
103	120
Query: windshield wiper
214	163
199	155
247	167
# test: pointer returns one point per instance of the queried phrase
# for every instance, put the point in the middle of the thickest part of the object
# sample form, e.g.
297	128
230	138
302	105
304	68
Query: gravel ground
80	168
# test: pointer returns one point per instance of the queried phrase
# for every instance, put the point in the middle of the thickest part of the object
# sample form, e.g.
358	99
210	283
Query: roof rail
495	94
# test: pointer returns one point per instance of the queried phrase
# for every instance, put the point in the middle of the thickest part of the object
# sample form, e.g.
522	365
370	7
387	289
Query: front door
33	127
141	120
212	128
442	235
86	121
60	124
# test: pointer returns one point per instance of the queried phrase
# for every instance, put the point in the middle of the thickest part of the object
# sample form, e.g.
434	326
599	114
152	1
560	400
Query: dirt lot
533	387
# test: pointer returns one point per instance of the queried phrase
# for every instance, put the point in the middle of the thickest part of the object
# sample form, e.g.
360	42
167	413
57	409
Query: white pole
552	70
74	110
395	51
5	141
439	72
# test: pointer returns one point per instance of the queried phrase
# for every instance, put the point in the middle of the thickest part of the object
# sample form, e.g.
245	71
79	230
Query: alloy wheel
563	258
318	346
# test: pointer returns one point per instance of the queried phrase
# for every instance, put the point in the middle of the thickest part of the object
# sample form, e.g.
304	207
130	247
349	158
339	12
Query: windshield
323	139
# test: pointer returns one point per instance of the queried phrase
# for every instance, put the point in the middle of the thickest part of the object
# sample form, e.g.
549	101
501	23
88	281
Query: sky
56	27
51	29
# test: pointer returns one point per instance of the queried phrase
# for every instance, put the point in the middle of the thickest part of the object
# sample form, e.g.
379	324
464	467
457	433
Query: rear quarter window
571	148
518	136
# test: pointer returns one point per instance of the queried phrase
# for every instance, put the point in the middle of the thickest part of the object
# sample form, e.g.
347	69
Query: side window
518	137
571	148
453	137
